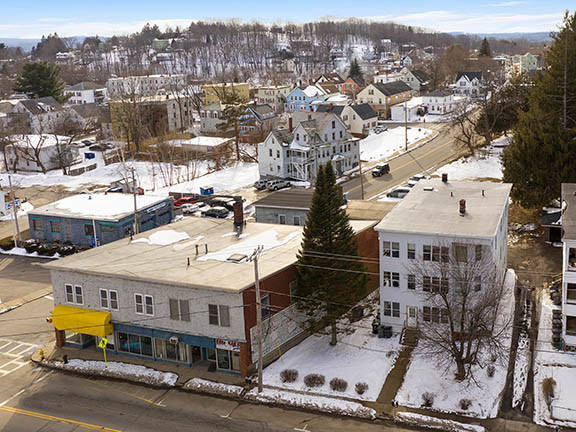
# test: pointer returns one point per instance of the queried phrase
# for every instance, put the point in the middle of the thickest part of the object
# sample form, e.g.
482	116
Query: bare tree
464	322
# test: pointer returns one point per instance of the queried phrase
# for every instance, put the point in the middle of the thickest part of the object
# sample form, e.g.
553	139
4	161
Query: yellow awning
79	320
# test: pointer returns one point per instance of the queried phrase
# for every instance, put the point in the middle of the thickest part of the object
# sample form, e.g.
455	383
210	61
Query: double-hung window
219	315
108	299
411	251
144	304
74	294
427	252
179	310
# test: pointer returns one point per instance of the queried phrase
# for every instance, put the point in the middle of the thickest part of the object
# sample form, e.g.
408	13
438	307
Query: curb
13	304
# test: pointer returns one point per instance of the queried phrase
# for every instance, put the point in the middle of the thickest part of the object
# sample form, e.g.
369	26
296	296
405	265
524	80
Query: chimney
444	178
290	124
462	207
238	215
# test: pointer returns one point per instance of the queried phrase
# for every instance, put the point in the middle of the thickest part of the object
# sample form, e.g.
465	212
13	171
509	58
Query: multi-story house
257	122
333	78
85	93
210	117
305	98
359	118
196	306
468	84
297	154
352	86
439	222
275	96
145	86
416	79
382	96
439	102
213	93
43	115
568	221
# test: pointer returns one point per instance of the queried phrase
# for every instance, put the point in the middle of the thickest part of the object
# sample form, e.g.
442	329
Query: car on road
275	185
398	192
217	212
415	179
260	184
380	170
184	200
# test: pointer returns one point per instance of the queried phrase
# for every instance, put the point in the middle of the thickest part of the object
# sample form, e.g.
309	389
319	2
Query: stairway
409	337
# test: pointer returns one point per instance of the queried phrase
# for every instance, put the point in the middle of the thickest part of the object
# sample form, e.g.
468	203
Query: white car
275	185
415	179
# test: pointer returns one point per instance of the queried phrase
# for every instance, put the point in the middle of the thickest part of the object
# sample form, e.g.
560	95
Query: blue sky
33	18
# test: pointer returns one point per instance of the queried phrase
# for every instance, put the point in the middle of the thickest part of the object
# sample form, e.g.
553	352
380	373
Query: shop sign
227	345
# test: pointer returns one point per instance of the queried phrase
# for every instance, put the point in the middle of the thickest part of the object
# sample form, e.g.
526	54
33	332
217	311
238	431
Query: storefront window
228	360
211	354
166	350
134	344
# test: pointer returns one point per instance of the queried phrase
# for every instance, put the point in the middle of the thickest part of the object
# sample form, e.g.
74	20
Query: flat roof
569	211
368	210
291	198
206	141
432	207
98	206
161	255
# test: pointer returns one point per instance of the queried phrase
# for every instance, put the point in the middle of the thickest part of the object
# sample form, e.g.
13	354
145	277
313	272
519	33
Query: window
297	220
426	313
69	294
109	299
436	253
134	344
387	278
333	124
219	315
387	308
460	252
228	360
293	290
427	252
282	219
37	224
179	310
411	251
265	305
411	282
572	258
270	152
74	294
89	230
144	304
396	280
55	226
395	250
570	325
478	252
435	314
444	285
396	309
435	284
571	293
445	254
426	283
477	283
386	248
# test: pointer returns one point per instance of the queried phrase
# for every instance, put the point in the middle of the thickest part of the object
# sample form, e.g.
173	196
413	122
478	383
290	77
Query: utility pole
135	204
17	239
360	168
406	124
255	255
564	101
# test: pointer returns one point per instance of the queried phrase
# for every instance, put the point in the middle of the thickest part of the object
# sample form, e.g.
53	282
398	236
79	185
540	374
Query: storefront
228	355
80	327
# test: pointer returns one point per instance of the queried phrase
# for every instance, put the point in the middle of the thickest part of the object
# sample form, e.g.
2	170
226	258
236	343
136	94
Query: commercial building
213	93
87	220
145	85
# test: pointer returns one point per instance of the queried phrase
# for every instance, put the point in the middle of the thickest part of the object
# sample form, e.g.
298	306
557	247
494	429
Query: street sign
103	343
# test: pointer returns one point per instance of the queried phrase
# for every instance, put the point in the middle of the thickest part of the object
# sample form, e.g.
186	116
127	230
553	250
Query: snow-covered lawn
436	423
422	376
25	207
558	365
320	403
358	357
376	147
126	371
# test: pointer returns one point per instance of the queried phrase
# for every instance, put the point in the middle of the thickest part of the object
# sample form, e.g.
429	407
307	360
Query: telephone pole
255	256
135	204
17	239
360	168
406	124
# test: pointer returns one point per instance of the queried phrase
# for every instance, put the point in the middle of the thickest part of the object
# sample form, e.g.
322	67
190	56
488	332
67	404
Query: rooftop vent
428	188
237	258
462	207
444	178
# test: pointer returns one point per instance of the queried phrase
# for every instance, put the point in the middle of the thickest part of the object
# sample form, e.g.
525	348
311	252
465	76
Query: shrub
465	403
490	371
389	354
314	380
338	384
548	387
289	375
428	399
361	388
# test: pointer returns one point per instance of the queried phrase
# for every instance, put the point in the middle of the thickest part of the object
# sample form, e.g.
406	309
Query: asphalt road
440	150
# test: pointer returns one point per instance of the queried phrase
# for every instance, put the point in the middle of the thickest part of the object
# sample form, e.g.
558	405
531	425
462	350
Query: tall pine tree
542	154
41	79
355	70
330	278
485	50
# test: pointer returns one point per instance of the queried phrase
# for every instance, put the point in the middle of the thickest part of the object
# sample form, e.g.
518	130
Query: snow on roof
112	206
205	141
312	91
35	140
163	238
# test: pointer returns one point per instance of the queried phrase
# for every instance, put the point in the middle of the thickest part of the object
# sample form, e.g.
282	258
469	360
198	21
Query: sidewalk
13	304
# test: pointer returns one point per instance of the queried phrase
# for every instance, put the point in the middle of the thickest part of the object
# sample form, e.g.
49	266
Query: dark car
227	203
380	170
399	192
217	212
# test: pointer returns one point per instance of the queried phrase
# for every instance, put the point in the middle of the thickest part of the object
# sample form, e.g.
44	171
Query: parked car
190	208
380	129
275	185
184	200
380	170
227	203
217	212
415	179
399	192
97	147
87	142
260	184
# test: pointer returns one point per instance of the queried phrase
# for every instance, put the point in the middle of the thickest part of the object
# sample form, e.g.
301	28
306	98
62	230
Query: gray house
287	207
88	219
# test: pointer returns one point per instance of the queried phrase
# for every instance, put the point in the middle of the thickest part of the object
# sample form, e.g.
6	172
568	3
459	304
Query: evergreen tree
355	70
485	49
542	154
41	79
233	110
330	279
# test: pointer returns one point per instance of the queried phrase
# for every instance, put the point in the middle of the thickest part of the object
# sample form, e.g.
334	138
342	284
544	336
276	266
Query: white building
275	96
85	93
408	111
148	85
359	119
468	83
297	154
439	102
569	264
43	115
428	225
388	78
40	153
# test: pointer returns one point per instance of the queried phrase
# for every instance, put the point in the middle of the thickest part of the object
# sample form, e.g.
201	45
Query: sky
34	18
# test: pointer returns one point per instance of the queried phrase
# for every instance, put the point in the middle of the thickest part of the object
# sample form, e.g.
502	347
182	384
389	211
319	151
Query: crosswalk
14	355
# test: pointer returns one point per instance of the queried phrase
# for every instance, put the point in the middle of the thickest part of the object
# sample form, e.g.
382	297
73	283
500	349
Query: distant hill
532	37
25	44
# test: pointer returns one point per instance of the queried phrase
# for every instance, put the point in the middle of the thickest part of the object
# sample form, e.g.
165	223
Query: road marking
5	263
107	387
13	355
304	429
57	419
24	389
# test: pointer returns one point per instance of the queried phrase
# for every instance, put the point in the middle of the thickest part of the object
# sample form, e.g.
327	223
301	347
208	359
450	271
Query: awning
79	320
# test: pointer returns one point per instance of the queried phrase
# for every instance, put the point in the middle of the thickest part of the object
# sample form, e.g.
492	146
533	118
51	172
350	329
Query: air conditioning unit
174	340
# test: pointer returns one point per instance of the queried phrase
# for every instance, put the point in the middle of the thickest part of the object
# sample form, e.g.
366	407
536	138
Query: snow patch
436	423
212	387
163	238
383	145
23	252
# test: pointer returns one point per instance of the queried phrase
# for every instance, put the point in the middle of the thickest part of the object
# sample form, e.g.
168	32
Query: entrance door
412	316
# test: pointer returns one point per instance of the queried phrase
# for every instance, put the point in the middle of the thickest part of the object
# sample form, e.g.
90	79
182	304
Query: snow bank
436	423
358	357
126	371
22	252
212	387
383	145
163	238
319	403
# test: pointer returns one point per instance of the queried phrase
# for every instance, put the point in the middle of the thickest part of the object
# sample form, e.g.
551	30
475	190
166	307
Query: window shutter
224	316
184	310
174	315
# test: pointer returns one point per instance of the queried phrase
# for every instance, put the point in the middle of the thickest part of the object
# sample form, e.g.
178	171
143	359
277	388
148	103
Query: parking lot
14	355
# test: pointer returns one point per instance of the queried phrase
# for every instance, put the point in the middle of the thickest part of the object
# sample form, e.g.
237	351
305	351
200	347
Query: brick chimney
444	178
290	124
462	207
238	215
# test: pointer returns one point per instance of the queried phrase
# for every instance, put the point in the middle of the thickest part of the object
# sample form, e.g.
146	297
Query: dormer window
333	124
297	137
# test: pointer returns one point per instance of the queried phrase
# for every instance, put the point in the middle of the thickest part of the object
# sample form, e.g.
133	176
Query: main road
441	149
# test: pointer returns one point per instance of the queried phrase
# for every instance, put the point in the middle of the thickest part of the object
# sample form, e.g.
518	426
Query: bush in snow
490	371
428	399
314	380
338	384
361	388
289	375
548	387
465	404
389	354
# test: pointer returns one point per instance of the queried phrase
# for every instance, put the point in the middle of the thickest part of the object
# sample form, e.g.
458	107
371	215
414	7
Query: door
412	316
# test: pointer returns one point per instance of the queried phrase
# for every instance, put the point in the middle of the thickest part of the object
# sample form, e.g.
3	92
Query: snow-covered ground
320	403
522	364
25	207
376	147
558	365
436	423
486	395
205	386
22	252
358	357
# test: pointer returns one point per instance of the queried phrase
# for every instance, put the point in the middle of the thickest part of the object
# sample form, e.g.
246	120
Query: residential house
417	79
145	85
40	153
194	306
409	111
304	98
87	220
407	61
352	86
257	122
382	96
85	93
332	77
202	146
210	118
359	118
297	154
65	58
388	77
568	222
468	84
213	93
439	102
275	96
43	115
439	222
